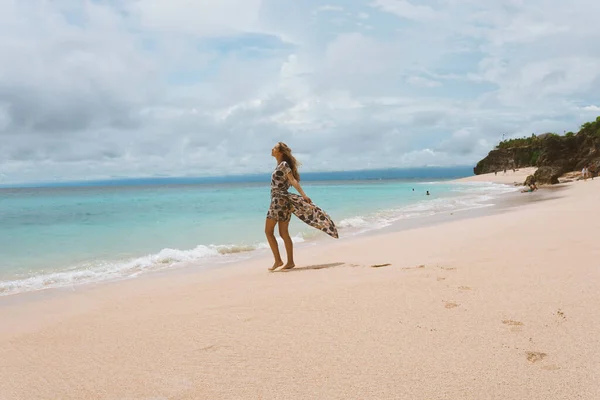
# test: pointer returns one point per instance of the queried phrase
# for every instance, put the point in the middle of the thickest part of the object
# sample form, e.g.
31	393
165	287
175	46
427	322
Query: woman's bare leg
289	245
270	232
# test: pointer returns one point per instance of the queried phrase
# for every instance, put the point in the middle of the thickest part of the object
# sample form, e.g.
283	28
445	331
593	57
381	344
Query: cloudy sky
114	88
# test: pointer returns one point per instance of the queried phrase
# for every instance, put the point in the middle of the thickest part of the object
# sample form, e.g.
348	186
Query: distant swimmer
428	193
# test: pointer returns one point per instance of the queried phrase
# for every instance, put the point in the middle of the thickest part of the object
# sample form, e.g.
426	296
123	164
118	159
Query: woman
283	204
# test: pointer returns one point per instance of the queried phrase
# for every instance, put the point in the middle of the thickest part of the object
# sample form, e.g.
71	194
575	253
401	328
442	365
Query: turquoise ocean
60	235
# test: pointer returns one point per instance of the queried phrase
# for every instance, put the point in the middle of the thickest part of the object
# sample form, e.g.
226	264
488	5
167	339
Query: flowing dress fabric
284	203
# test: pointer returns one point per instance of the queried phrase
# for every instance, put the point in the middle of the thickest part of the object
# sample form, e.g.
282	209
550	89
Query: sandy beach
501	306
509	178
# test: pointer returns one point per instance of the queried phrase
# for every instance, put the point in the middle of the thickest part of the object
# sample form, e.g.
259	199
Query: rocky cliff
553	154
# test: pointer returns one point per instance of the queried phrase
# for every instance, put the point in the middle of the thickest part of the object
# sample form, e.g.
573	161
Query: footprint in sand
448	268
464	288
450	304
439	279
535	356
379	265
512	323
552	367
515	325
417	267
212	347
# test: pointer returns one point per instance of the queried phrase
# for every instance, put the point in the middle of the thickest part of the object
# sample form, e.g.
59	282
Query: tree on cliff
556	153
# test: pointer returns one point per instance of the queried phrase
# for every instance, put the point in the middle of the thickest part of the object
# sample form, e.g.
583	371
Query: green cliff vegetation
590	128
549	152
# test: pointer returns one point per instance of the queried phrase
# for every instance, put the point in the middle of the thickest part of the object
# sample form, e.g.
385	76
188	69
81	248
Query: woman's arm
297	186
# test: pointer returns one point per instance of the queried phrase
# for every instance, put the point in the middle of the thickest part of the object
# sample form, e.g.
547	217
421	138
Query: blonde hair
290	159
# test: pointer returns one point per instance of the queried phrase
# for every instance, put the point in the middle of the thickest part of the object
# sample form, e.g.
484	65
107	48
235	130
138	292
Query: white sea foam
468	196
106	271
353	222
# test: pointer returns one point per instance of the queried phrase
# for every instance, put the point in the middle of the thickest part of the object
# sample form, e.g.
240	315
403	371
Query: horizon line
211	178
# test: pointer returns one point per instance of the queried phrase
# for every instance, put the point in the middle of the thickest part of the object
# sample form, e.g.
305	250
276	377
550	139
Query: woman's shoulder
284	167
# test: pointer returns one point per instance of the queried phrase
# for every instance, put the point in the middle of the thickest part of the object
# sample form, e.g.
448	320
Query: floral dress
284	203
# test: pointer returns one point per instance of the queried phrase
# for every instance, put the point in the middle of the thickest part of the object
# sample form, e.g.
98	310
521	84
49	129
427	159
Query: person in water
284	203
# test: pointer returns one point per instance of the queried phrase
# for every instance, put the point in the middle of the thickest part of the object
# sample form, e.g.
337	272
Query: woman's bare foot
289	266
276	265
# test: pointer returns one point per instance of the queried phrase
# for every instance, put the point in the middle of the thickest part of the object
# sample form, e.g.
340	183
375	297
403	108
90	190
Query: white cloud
96	89
422	82
326	8
592	108
406	9
201	17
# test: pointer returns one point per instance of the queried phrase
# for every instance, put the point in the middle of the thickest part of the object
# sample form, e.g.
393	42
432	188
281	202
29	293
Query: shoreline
503	203
500	297
62	280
